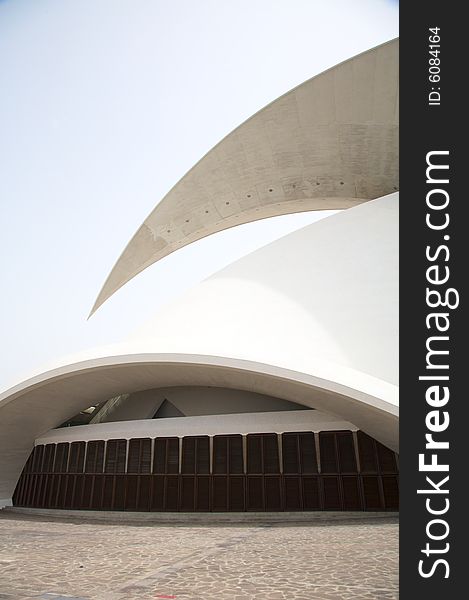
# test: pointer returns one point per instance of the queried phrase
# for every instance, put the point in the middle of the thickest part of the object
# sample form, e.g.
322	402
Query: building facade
272	385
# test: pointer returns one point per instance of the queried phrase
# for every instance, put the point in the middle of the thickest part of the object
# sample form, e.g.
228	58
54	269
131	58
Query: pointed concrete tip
352	106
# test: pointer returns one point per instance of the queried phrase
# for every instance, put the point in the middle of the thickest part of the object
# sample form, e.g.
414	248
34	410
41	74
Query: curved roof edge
330	143
47	400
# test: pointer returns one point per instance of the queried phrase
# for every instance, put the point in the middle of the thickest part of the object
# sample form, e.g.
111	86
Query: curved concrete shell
330	143
310	318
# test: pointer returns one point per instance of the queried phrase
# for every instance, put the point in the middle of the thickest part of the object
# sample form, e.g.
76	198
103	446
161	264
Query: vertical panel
290	453
49	495
254	451
133	465
17	493
220	454
42	500
119	492
351	491
25	492
131	492
292	493
236	500
87	491
311	498
78	492
97	493
272	493
171	492
236	462
49	456
202	499
328	452
331	493
391	492
77	456
17	498
367	453
255	496
116	456
140	456
144	490
54	490
172	466
108	488
187	493
24	489
94	456
69	490
203	455
188	455
219	493
159	456
386	459
372	493
33	478
37	459
35	491
270	453
61	458
145	455
28	467
157	493
308	459
346	451
62	487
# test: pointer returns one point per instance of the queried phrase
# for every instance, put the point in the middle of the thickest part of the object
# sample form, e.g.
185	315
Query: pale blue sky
104	105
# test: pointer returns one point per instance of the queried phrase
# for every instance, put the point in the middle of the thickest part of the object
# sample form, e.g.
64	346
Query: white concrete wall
273	422
321	300
192	401
311	318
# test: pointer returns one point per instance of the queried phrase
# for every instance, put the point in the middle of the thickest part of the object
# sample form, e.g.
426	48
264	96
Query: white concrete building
273	384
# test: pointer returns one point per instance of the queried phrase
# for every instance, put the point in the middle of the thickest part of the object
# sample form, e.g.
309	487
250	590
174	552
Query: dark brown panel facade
257	472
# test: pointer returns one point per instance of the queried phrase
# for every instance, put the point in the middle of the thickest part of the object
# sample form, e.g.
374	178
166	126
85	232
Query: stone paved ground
328	560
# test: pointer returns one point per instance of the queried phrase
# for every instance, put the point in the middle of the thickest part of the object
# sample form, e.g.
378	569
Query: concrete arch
43	402
330	143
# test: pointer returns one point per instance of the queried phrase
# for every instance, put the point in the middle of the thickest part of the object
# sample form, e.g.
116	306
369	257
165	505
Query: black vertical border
425	128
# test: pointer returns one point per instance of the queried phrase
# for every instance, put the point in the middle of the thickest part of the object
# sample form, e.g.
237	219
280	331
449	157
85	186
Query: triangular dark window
167	410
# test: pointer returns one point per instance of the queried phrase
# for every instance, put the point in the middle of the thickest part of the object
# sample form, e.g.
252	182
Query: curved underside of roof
330	143
319	329
45	401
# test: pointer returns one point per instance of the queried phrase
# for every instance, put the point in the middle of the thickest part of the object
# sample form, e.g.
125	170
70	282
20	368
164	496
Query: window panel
386	459
94	457
352	495
220	493
308	453
372	493
236	493
311	499
331	491
61	458
346	451
328	452
116	451
202	501
255	495
292	493
367	453
290	452
77	456
391	492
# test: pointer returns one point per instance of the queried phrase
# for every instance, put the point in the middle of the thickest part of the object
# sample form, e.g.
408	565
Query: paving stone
68	560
